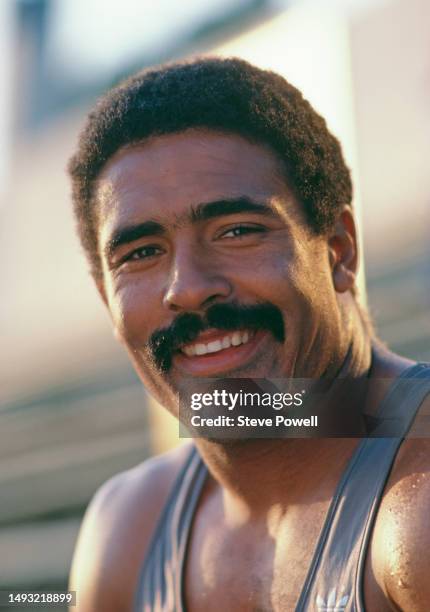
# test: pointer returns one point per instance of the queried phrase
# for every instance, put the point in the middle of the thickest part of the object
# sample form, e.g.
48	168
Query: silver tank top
335	577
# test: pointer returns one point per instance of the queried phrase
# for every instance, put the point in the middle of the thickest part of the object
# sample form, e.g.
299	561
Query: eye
143	253
242	230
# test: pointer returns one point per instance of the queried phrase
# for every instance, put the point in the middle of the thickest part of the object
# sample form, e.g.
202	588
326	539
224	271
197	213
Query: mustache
186	327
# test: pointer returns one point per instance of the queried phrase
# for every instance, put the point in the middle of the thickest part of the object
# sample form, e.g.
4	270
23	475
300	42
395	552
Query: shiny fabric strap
160	585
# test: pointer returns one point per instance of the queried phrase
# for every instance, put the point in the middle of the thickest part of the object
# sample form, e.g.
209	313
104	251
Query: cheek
312	285
271	275
297	280
135	312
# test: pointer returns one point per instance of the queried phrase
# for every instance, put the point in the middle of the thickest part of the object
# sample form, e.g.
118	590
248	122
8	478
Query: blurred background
72	412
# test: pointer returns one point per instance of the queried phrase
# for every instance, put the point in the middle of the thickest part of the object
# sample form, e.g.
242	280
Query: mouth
217	351
219	344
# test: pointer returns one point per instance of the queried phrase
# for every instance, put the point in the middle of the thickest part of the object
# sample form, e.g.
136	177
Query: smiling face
195	230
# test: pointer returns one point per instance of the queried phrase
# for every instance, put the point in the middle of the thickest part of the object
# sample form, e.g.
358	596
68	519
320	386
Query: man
215	210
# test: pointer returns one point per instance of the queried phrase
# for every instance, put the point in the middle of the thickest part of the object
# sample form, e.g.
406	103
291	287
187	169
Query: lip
213	364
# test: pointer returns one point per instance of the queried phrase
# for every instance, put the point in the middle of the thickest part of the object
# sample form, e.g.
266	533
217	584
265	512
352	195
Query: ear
343	251
102	293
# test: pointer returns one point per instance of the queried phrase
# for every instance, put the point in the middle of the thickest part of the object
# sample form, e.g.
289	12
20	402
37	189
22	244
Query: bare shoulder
117	530
400	551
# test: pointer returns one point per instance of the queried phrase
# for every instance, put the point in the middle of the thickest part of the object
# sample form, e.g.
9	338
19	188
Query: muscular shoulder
401	542
117	531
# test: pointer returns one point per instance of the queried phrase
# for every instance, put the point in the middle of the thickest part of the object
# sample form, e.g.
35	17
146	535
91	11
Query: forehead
162	177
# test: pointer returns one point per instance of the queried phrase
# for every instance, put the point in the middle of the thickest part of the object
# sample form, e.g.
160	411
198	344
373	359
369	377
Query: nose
194	283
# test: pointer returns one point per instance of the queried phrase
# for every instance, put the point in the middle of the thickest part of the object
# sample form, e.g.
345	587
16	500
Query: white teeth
213	347
200	349
226	342
234	339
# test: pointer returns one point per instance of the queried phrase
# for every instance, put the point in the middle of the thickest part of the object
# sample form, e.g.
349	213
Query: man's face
210	269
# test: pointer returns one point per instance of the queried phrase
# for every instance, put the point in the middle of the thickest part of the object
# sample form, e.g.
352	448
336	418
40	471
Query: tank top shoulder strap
160	585
334	580
400	405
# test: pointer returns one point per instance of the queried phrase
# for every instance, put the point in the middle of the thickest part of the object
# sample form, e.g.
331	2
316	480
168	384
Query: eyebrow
219	208
201	212
128	234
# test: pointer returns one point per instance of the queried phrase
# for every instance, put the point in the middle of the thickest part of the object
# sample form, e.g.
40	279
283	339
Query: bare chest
249	568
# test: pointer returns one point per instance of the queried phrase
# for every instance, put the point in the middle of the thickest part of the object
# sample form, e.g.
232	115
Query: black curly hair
227	95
